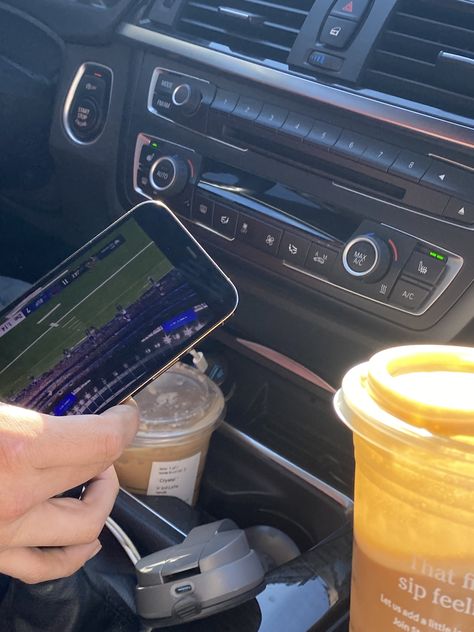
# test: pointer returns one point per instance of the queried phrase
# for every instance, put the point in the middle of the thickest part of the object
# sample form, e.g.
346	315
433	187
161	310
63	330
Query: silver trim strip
461	165
417	122
268	454
70	98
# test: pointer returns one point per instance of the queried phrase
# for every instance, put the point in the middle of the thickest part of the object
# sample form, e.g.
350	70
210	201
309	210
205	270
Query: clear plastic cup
412	413
179	412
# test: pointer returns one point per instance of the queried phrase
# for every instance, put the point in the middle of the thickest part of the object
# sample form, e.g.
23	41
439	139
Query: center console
349	210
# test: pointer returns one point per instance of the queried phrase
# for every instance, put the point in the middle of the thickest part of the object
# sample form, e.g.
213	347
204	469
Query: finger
55	481
84	439
33	566
66	521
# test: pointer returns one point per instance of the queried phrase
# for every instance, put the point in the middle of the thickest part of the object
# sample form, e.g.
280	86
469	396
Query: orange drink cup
411	410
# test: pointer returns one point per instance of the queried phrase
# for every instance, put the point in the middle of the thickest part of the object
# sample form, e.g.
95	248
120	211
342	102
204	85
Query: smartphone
112	317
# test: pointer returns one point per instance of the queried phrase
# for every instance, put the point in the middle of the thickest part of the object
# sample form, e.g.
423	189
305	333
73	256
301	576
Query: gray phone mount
214	569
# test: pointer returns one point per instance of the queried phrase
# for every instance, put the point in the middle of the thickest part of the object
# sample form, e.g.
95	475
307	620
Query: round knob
169	175
367	257
186	98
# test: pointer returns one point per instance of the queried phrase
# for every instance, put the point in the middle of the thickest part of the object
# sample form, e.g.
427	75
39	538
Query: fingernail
96	550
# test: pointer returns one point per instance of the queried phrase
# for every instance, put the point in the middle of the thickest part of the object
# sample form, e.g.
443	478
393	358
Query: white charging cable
124	541
199	360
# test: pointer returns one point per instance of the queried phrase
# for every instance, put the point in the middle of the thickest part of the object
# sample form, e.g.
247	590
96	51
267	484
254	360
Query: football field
38	342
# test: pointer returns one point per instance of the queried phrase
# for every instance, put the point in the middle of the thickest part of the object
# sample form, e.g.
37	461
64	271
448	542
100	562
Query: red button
352	9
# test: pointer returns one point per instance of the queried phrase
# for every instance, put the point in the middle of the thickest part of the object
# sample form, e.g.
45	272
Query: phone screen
108	320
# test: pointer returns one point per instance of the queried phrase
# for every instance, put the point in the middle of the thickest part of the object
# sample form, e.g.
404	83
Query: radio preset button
248	109
323	135
351	145
379	155
297	125
410	166
225	101
272	116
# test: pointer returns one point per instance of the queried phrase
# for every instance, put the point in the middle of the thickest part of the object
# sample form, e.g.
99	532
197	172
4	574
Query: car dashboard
320	150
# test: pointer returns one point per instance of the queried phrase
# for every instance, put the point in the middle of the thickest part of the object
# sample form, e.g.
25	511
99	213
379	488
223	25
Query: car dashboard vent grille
426	54
262	29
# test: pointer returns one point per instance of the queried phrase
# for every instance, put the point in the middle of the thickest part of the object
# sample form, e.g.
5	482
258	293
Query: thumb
127	416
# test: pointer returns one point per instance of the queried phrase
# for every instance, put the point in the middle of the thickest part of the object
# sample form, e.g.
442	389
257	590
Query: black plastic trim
428	125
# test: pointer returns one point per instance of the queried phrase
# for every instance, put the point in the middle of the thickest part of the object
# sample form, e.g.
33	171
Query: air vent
426	54
262	29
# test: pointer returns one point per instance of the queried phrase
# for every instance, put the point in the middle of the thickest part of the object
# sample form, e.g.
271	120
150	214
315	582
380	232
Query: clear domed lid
182	401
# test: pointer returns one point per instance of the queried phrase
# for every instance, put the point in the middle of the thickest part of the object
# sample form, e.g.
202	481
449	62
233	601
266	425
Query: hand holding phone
112	317
42	536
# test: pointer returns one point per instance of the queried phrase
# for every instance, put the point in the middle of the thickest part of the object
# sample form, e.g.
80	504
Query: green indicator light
155	145
436	255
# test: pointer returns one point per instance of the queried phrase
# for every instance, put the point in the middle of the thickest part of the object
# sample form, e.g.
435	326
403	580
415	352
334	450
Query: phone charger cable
124	540
199	360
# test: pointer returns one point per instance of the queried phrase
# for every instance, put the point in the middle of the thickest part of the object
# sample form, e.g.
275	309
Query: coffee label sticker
174	478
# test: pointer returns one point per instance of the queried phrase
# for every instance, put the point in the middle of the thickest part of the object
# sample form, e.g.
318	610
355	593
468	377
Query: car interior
321	151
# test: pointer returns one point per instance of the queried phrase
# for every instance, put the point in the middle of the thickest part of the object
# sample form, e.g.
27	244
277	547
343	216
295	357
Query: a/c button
408	296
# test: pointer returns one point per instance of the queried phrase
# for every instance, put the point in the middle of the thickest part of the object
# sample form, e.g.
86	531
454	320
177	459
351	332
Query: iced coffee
178	414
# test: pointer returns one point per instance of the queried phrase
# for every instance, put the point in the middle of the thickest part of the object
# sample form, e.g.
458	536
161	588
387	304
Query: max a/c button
408	296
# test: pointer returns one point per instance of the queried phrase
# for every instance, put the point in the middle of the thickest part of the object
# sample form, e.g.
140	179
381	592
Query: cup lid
431	387
183	401
421	392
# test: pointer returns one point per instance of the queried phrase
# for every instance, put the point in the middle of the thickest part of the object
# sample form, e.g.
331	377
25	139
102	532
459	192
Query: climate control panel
375	261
